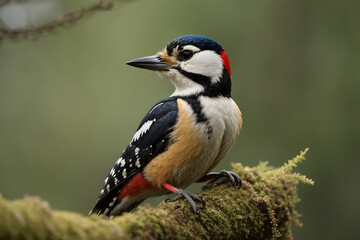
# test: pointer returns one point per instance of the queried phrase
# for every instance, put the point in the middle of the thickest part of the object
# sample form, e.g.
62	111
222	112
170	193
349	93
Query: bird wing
150	139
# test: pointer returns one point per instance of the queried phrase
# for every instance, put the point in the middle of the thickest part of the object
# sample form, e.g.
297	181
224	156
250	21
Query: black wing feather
138	153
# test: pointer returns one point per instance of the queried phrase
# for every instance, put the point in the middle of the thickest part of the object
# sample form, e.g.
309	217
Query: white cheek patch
207	63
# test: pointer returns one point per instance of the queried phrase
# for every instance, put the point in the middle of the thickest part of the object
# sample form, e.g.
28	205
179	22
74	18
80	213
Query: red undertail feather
136	184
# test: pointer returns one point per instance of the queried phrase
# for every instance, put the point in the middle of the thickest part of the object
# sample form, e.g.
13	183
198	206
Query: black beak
155	63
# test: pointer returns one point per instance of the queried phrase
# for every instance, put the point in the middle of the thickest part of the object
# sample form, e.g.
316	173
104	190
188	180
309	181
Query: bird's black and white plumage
182	138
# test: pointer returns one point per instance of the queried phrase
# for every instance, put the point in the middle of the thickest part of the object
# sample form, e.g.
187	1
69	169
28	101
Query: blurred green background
69	104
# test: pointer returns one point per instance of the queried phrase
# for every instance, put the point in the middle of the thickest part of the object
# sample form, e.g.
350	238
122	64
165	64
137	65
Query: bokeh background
69	104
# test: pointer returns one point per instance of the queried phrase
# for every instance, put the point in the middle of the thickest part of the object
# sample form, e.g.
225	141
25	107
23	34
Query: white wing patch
124	174
144	129
112	172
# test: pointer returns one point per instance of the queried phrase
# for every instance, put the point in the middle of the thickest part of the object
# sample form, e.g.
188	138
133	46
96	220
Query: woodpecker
183	137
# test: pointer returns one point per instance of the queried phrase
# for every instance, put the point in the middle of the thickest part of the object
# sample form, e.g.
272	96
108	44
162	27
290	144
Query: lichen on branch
264	208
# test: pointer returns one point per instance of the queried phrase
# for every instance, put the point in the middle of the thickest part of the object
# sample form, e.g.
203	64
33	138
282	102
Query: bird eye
185	55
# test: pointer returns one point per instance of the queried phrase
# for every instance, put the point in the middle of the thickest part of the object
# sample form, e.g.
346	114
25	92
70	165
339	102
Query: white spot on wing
137	163
144	128
112	202
122	163
118	161
124	173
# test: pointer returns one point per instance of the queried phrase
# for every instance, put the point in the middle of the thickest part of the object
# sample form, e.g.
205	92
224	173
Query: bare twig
4	2
65	19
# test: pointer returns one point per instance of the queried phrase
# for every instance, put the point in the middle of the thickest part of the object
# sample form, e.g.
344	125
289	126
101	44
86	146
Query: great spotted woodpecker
183	137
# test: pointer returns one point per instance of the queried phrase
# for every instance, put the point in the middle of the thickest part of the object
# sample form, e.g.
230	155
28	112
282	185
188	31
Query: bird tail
115	207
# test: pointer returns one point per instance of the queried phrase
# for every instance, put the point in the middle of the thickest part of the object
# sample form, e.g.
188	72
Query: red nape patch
136	184
226	61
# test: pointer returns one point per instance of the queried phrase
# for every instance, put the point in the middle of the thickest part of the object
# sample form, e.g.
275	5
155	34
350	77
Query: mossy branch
264	208
66	19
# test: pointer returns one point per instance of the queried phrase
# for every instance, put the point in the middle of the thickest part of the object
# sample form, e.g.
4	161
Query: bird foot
191	198
223	177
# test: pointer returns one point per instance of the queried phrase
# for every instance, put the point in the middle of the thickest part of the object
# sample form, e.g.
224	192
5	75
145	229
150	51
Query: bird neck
201	85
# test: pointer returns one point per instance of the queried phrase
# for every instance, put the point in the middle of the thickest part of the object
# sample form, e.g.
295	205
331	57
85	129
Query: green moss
264	208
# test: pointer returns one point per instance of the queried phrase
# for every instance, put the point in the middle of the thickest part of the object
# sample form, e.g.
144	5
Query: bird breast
196	147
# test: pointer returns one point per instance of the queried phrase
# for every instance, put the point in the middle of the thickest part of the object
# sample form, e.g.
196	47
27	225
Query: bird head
196	65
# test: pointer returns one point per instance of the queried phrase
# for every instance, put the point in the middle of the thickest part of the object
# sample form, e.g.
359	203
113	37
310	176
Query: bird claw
177	197
191	198
226	176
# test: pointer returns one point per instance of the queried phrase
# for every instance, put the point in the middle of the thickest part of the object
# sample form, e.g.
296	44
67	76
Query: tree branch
264	208
65	19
